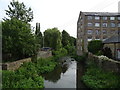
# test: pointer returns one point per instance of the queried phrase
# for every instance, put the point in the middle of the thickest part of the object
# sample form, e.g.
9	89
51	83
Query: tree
17	40
72	41
19	11
68	42
38	35
107	52
52	38
65	38
95	46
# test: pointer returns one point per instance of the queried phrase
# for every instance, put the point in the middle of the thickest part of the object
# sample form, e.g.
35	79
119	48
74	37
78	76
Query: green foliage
60	53
70	49
97	78
45	65
72	41
68	43
38	34
82	58
19	11
28	75
16	80
52	38
95	46
18	42
65	38
107	52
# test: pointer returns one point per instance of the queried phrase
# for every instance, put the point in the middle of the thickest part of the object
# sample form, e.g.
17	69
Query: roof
113	39
101	13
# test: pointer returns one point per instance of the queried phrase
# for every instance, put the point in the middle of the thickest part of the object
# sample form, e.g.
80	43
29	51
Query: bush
71	49
80	58
45	65
96	78
60	53
14	80
28	75
95	46
107	52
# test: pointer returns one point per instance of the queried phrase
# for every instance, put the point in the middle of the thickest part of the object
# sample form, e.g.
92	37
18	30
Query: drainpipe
115	50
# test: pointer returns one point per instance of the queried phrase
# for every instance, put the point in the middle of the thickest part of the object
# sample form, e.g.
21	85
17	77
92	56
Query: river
66	75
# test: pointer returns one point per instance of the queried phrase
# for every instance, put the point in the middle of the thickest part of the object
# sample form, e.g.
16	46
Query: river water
66	75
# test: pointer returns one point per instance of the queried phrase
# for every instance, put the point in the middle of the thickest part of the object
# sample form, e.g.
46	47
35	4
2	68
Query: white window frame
112	24
89	17
89	24
112	18
118	24
105	18
97	24
89	32
97	18
104	24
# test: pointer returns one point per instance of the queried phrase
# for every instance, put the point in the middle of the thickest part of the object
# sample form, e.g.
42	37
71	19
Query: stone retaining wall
44	54
14	65
108	65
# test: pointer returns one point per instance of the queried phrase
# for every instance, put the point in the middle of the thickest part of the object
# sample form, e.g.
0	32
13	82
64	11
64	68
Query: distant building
114	44
95	26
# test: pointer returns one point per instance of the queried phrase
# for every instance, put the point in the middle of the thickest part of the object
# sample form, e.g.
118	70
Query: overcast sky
62	13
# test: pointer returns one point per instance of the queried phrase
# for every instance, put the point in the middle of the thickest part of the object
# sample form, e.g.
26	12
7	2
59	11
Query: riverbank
96	77
29	74
63	76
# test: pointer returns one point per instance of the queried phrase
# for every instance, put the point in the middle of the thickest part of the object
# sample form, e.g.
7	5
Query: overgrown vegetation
95	47
28	75
13	80
82	58
96	78
107	52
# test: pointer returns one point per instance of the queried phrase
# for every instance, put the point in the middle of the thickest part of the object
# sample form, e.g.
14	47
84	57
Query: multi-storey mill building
95	26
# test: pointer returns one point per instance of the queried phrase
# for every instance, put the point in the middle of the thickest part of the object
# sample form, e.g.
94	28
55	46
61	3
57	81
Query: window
112	18
90	24
112	31
97	17
89	17
97	37
116	31
104	37
118	18
112	24
89	37
104	25
97	32
89	31
97	24
104	18
104	31
118	24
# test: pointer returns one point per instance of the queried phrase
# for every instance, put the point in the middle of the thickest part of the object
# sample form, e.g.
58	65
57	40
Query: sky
62	14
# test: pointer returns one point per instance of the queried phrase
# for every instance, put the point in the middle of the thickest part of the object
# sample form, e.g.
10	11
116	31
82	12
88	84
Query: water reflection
67	74
55	75
64	76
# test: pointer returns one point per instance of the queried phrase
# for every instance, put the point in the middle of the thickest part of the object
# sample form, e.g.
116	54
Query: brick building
95	26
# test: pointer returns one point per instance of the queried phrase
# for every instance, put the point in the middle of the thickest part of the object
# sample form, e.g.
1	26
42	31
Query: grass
96	78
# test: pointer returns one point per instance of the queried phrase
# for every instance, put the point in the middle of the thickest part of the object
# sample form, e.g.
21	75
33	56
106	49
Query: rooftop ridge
101	13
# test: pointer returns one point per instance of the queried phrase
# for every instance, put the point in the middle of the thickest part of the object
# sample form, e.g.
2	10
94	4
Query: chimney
119	7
